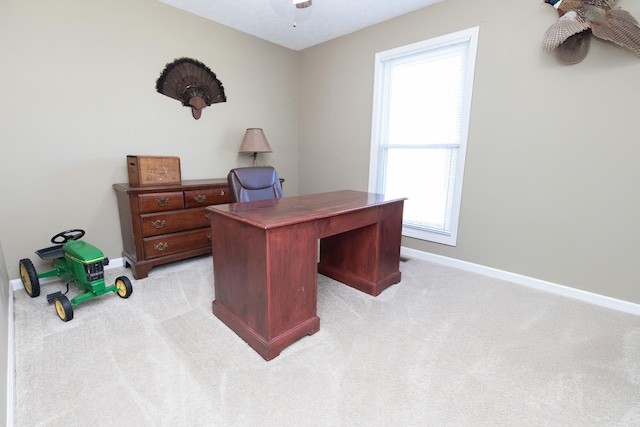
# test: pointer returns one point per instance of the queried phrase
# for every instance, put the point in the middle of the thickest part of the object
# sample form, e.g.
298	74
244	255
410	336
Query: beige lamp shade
255	142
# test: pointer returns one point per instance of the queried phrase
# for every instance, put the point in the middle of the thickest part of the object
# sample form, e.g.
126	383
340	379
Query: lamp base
255	159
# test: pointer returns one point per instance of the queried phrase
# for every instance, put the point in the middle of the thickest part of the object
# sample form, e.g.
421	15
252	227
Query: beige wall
6	362
77	94
550	186
551	165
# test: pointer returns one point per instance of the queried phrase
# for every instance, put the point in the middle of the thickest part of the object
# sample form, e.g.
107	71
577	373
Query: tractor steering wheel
73	234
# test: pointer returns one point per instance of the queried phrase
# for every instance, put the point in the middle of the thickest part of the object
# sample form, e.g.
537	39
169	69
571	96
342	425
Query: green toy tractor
77	262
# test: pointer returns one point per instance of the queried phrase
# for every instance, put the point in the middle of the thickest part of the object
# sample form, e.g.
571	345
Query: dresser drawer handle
200	198
207	216
160	246
158	223
222	192
164	201
209	236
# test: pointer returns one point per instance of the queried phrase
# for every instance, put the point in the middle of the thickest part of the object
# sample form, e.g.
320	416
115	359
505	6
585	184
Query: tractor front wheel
29	278
123	287
64	308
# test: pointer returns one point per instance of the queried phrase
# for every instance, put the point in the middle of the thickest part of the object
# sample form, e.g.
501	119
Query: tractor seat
52	252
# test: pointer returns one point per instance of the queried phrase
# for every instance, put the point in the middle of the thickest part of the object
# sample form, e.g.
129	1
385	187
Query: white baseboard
115	263
11	364
601	300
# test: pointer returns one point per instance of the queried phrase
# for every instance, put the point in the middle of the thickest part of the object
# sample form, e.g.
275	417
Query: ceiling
280	22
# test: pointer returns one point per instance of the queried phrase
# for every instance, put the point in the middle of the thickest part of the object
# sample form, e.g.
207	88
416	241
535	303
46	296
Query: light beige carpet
442	348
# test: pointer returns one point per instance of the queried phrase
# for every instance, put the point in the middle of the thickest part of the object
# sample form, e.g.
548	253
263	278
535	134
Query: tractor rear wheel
123	287
29	278
64	308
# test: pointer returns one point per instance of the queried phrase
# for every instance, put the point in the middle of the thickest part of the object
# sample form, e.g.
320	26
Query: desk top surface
290	210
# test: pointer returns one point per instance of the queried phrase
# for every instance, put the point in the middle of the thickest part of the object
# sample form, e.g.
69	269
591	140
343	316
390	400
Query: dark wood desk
266	259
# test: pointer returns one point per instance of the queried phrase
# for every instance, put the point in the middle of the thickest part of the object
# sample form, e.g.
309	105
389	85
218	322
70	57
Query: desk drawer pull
207	216
162	202
160	246
158	223
199	198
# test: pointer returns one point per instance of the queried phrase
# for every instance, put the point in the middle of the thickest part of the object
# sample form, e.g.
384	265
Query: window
422	102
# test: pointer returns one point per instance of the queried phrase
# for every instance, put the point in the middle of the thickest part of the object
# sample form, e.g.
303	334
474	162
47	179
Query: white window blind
421	110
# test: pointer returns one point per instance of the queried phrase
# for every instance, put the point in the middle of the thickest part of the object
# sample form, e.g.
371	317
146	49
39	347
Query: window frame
378	130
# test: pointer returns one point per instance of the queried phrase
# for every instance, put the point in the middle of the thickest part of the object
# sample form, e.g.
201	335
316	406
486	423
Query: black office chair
254	183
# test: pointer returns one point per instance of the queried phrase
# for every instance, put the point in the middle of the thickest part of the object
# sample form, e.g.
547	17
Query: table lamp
255	142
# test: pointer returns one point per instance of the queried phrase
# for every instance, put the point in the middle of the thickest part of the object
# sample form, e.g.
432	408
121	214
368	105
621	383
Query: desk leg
265	282
367	258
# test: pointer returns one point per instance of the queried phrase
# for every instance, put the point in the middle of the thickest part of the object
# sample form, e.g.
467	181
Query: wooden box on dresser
166	223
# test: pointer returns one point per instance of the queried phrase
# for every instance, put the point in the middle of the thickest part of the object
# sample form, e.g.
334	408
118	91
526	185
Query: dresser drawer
171	222
159	246
196	198
156	202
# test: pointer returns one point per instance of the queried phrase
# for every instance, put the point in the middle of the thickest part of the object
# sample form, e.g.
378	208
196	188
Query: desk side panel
390	240
239	269
293	281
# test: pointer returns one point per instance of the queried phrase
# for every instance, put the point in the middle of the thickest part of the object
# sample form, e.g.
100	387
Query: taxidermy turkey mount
192	83
579	19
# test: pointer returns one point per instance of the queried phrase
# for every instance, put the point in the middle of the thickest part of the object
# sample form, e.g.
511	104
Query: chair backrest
254	183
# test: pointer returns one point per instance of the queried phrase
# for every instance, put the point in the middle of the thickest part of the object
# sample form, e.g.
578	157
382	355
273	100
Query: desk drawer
170	222
346	222
169	244
197	198
156	202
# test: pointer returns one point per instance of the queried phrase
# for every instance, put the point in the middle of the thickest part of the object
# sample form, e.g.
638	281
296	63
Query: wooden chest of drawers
167	223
